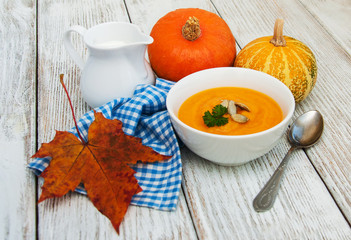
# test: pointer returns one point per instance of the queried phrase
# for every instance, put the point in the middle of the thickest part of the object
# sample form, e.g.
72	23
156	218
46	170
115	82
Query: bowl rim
285	120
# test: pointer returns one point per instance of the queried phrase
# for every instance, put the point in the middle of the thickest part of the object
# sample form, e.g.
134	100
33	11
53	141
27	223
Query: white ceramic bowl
222	149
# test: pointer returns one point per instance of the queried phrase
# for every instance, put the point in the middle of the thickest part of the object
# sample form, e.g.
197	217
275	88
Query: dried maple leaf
99	163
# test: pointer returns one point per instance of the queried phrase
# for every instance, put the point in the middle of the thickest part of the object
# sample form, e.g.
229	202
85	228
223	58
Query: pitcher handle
69	46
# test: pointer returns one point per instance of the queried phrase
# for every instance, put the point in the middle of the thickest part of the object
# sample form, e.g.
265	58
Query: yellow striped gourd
285	58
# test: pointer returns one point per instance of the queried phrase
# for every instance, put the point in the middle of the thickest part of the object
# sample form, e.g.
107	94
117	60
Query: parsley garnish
216	117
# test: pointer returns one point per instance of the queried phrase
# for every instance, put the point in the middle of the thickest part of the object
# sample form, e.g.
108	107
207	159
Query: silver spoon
304	132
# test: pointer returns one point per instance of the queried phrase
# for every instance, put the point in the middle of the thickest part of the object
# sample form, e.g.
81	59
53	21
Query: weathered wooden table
314	201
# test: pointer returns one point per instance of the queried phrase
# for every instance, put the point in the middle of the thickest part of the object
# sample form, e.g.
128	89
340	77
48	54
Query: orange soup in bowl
259	111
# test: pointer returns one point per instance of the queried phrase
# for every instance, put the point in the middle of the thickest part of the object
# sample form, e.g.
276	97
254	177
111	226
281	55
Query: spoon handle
266	197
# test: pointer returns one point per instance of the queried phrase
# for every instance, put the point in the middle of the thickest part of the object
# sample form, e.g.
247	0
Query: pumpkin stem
278	39
191	30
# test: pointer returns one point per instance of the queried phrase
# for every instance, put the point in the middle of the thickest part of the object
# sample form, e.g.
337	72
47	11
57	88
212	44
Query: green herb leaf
221	121
209	120
219	110
216	117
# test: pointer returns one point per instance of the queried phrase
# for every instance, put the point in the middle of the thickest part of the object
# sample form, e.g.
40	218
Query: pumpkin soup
260	111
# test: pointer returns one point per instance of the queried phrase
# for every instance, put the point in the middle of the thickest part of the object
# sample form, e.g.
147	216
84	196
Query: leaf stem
70	103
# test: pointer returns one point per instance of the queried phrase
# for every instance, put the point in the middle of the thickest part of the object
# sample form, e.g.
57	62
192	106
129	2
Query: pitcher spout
140	37
148	39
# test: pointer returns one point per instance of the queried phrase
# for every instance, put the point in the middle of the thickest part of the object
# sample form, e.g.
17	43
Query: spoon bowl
304	132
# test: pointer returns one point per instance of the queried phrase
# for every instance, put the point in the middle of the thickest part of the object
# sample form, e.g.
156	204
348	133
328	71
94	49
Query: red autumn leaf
101	164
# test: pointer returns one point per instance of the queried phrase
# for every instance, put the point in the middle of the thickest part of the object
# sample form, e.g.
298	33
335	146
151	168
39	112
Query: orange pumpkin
188	40
285	58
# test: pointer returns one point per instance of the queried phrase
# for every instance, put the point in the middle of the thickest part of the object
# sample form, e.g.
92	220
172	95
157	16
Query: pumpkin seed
239	118
242	106
231	107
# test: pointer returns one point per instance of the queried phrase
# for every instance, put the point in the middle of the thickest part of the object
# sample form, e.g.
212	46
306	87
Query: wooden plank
73	216
17	119
220	199
304	206
335	17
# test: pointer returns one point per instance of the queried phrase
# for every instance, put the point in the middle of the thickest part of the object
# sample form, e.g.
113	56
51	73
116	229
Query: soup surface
264	111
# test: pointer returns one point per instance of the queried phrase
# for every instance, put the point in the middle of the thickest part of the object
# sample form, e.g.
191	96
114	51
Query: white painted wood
145	223
73	216
335	17
218	200
17	119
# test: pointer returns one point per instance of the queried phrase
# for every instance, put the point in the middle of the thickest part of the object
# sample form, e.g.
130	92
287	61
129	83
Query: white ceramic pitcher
116	61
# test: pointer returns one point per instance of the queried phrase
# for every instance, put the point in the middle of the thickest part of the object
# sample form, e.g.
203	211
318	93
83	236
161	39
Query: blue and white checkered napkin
144	116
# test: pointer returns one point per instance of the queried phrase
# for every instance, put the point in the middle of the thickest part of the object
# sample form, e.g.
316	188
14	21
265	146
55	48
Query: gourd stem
278	39
191	30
